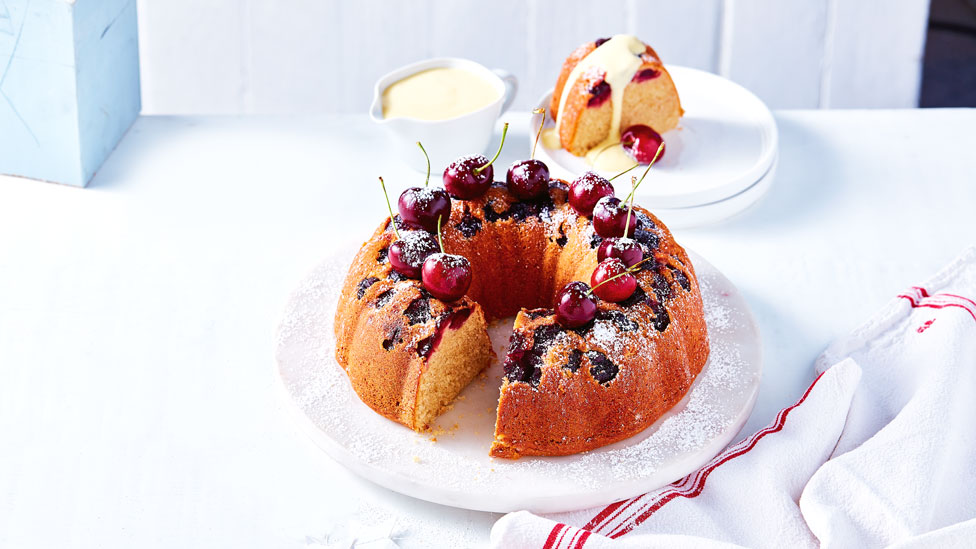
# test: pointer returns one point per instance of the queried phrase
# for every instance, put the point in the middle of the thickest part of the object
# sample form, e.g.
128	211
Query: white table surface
137	317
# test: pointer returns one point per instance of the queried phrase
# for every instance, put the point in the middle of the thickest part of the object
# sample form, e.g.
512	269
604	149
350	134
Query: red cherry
627	250
599	93
641	142
447	276
463	181
617	289
610	217
575	307
470	176
408	253
528	179
586	190
422	206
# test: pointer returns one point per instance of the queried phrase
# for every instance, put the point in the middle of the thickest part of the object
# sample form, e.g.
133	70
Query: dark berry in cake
661	317
516	342
398	224
644	221
610	217
469	225
599	92
418	312
514	367
646	74
545	335
421	207
381	255
586	190
595	240
558	184
618	319
575	359
647	238
537	313
524	363
680	277
393	338
600	41
528	179
447	276
408	253
662	290
383	298
492	216
425	346
364	285
575	306
603	369
627	250
611	281
520	211
641	142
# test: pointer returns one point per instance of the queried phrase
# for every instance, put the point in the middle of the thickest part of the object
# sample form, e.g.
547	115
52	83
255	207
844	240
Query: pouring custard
605	88
438	94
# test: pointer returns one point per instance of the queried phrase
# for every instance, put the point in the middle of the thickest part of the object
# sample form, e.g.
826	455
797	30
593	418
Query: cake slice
408	366
607	86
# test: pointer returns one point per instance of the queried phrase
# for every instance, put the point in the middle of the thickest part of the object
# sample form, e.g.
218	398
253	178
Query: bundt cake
607	86
566	390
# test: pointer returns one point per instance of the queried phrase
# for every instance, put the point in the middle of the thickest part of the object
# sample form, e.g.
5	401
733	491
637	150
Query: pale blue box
69	85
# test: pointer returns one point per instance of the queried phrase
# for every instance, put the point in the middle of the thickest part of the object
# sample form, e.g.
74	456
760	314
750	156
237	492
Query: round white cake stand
450	465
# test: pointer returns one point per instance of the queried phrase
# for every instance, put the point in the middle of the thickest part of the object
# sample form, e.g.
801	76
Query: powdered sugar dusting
451	463
605	335
424	196
451	261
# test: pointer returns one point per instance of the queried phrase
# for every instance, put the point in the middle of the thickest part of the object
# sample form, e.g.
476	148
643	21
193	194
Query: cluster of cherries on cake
423	210
619	256
418	253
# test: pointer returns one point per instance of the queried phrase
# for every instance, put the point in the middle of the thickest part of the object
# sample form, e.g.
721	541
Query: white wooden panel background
295	56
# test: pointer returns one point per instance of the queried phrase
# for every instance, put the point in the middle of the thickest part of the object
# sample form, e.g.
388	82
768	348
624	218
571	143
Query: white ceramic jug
444	140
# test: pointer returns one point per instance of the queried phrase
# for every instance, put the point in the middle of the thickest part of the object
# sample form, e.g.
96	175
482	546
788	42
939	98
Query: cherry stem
440	241
426	181
628	270
634	184
660	149
630	206
623	172
538	133
389	209
498	152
